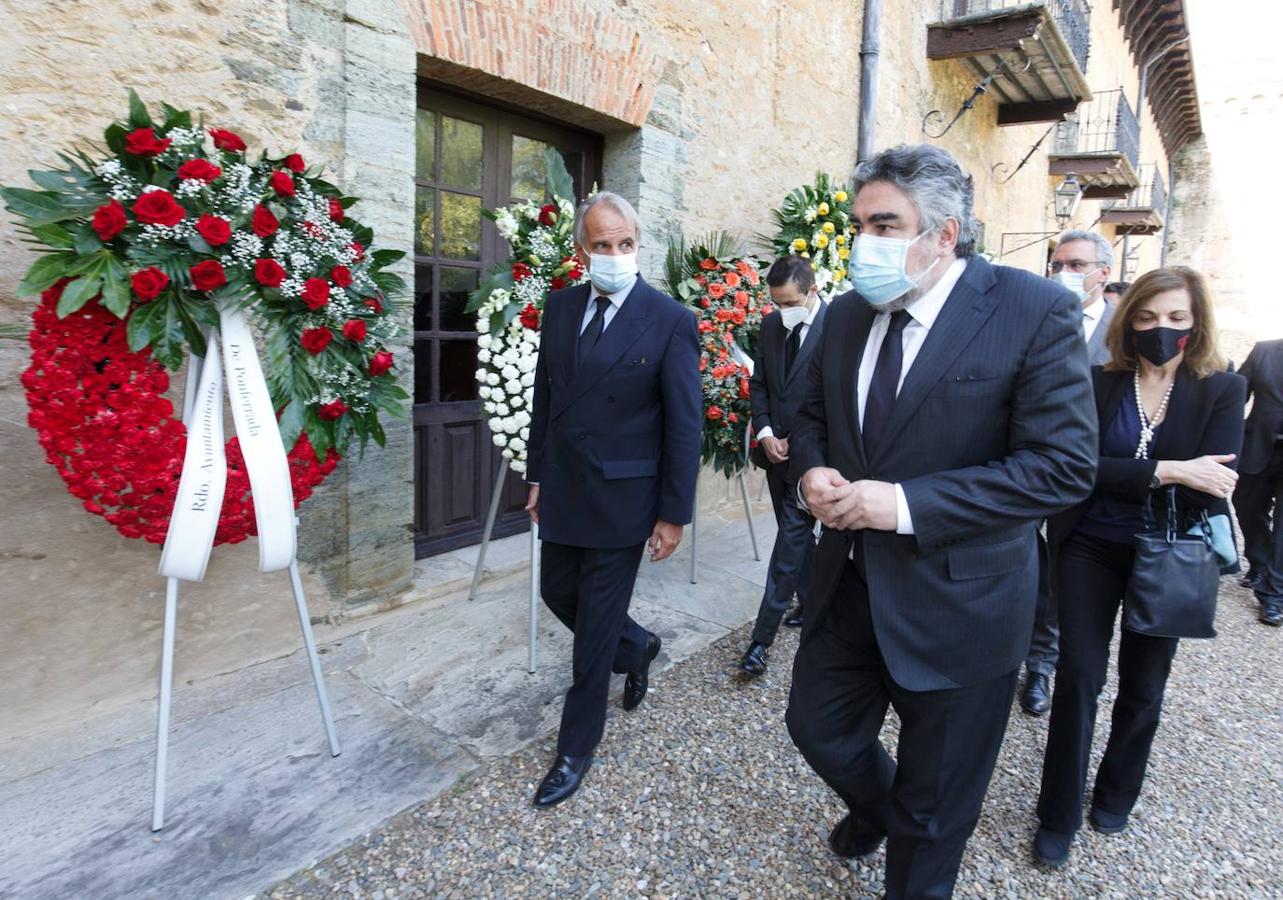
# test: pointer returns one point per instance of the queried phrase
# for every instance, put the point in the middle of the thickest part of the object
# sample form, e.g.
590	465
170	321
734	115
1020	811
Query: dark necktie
886	380
791	346
596	325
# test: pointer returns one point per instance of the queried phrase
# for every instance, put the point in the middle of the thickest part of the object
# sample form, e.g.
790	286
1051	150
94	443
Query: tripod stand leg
309	642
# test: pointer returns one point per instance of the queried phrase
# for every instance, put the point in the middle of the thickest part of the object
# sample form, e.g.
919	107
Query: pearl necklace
1148	425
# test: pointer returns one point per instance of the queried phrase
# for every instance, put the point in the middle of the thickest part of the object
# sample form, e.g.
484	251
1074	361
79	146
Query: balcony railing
1072	18
1152	193
1105	125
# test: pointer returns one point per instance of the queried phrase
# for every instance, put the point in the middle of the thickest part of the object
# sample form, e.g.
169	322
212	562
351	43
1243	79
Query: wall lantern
1066	199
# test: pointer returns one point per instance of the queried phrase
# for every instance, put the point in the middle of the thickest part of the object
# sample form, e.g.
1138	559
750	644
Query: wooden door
469	156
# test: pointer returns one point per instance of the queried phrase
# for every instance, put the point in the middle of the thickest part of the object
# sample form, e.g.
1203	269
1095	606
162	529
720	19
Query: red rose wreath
139	249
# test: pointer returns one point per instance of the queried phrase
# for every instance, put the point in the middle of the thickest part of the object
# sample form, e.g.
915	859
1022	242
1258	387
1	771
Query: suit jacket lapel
629	323
1179	409
862	316
963	313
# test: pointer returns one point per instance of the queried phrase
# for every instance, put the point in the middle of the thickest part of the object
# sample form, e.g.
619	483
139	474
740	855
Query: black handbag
1174	581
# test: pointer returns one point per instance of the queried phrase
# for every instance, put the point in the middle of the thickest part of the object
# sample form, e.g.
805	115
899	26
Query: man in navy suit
1258	499
949	409
776	390
612	462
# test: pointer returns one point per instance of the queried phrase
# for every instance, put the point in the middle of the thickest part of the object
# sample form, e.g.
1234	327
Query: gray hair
1104	250
934	182
615	202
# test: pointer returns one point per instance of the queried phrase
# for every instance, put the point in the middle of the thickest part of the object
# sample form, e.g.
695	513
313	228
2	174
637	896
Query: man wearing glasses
1081	264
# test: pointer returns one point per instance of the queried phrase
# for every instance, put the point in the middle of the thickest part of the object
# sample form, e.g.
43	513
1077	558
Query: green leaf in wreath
199	244
381	258
376	431
138	116
115	138
291	422
144	323
45	271
115	287
86	239
37	207
54	235
80	292
167	341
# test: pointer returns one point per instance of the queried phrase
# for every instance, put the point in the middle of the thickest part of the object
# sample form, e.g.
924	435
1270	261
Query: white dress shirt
922	315
806	329
616	301
1091	317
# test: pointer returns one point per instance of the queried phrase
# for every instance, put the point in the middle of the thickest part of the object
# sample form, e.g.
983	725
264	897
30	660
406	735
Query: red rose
332	410
753	277
548	214
295	163
708	264
336	210
738	316
732	418
216	230
704	327
381	363
268	273
705	303
701	281
732	280
199	170
227	140
148	283
316	293
714	413
262	222
717	290
521	271
558	283
723	315
158	208
283	183
354	330
341	275
529	317
575	274
109	220
741	299
208	275
375	304
358	251
314	340
143	142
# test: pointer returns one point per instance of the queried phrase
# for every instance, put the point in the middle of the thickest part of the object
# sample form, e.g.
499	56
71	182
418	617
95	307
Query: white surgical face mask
1073	282
878	268
610	273
793	316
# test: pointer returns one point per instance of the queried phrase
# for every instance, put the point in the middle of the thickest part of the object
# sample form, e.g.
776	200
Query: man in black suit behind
776	389
612	461
949	409
1258	498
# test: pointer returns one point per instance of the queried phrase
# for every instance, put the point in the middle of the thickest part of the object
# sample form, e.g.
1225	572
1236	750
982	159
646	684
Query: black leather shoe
1106	822
855	837
636	683
562	780
1272	615
794	617
1035	699
1051	848
1251	579
754	661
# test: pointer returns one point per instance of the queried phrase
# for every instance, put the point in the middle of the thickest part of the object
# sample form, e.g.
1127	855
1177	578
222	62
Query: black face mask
1159	345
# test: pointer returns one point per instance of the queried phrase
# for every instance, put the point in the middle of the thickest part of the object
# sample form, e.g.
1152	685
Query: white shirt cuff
765	433
903	521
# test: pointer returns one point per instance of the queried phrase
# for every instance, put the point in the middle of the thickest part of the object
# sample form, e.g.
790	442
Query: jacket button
583	436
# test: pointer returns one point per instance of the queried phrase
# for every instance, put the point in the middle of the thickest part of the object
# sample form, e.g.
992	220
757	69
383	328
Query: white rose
483	324
510	426
500	439
483	356
510	373
482	376
489	407
525	434
501	409
517	444
484	392
507	453
525	364
518	401
491	378
518	466
522	417
528	380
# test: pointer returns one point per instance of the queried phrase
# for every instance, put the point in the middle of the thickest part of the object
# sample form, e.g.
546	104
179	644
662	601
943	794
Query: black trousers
789	569
589	590
929	799
1258	499
1044	645
1091	576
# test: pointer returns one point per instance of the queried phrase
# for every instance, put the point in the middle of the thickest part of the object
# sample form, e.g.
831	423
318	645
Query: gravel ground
700	793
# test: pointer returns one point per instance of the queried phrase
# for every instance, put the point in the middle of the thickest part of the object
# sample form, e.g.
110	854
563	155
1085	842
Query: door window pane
423	298
425	145
456	284
461	159
423	371
425	218
527	168
458	371
460	226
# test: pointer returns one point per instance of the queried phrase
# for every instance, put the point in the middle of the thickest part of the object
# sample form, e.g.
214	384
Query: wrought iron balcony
1100	143
1142	211
1038	47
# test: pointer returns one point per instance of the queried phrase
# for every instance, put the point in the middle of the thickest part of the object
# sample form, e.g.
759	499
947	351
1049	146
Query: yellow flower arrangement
840	196
799	244
822	209
844	253
821	241
827	228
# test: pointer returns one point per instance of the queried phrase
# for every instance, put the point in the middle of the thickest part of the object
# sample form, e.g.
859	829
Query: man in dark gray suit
776	388
1081	263
949	409
1258	498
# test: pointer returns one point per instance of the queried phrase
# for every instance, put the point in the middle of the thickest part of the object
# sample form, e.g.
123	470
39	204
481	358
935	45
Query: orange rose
708	264
705	327
722	315
741	299
754	278
738	315
743	268
717	290
732	280
714	413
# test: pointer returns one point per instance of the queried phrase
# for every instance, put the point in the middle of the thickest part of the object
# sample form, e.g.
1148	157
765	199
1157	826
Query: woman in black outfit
1169	414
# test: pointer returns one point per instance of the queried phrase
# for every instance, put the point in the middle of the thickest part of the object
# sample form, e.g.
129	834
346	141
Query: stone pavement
699	793
423	696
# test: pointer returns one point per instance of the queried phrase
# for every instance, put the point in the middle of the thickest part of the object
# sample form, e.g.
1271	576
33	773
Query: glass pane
456	284
425	145
461	154
423	298
425	218
527	168
460	226
423	371
458	371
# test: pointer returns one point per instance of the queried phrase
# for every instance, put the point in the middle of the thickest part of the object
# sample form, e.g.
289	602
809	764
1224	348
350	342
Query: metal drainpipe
1167	213
869	46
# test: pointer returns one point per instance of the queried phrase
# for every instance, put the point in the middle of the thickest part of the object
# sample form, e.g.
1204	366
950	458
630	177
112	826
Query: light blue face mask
611	273
877	268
